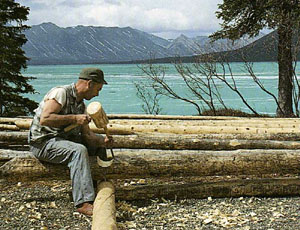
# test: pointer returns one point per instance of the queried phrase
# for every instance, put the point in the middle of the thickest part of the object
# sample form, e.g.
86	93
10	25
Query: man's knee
81	151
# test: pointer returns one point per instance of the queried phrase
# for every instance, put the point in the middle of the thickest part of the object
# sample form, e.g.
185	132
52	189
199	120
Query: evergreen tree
12	60
248	17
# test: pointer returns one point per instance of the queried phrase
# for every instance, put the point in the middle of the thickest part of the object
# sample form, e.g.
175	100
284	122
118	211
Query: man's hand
108	140
82	119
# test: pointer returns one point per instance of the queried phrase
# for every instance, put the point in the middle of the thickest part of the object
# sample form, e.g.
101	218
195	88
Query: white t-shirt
58	94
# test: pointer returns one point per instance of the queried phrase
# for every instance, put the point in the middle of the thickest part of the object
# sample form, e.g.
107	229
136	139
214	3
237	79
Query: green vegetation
13	60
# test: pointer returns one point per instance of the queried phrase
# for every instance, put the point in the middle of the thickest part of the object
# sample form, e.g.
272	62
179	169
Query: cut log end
104	213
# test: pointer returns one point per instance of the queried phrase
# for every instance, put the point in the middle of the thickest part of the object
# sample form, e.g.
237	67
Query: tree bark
8	154
14	137
163	163
285	64
269	187
104	212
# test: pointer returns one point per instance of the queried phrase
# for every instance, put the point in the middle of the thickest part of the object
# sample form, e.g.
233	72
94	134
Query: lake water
119	96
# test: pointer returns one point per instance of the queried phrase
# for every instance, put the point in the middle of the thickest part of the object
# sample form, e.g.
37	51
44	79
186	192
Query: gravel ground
47	205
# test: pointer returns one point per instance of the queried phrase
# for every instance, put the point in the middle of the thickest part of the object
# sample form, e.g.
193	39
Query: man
61	107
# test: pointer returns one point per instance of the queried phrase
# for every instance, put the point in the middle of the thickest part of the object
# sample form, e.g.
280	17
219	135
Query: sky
164	18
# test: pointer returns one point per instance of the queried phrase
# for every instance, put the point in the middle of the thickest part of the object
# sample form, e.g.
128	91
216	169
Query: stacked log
235	126
145	163
240	156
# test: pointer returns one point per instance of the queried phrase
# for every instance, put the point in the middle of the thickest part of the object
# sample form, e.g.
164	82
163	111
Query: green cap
93	74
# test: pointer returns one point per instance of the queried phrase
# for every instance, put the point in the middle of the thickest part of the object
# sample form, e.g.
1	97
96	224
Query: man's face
93	90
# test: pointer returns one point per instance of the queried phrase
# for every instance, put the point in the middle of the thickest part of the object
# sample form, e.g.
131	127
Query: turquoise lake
119	96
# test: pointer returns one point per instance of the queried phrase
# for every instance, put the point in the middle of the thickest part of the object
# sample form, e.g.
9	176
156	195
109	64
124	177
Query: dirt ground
48	205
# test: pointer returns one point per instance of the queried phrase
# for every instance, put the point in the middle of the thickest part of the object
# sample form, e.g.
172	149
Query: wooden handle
70	127
106	131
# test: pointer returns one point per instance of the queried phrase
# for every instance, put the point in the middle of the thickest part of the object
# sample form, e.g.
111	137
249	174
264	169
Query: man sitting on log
50	141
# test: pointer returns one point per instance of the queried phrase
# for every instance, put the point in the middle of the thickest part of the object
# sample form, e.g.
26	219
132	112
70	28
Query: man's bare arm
91	138
50	116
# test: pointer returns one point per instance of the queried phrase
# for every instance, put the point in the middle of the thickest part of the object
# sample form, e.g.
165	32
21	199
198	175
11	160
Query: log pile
156	156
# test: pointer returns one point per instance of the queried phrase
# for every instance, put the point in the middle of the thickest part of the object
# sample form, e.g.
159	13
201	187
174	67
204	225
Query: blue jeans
76	156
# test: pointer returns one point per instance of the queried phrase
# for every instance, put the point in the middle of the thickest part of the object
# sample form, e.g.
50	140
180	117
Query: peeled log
163	163
9	127
181	129
240	123
178	129
178	142
104	212
193	120
175	117
111	130
9	120
25	124
168	117
269	187
206	121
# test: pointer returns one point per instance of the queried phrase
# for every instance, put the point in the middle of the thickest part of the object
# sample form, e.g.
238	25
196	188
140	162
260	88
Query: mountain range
48	43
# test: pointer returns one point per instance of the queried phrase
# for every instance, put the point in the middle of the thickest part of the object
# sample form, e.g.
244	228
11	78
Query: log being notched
184	142
145	163
104	212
